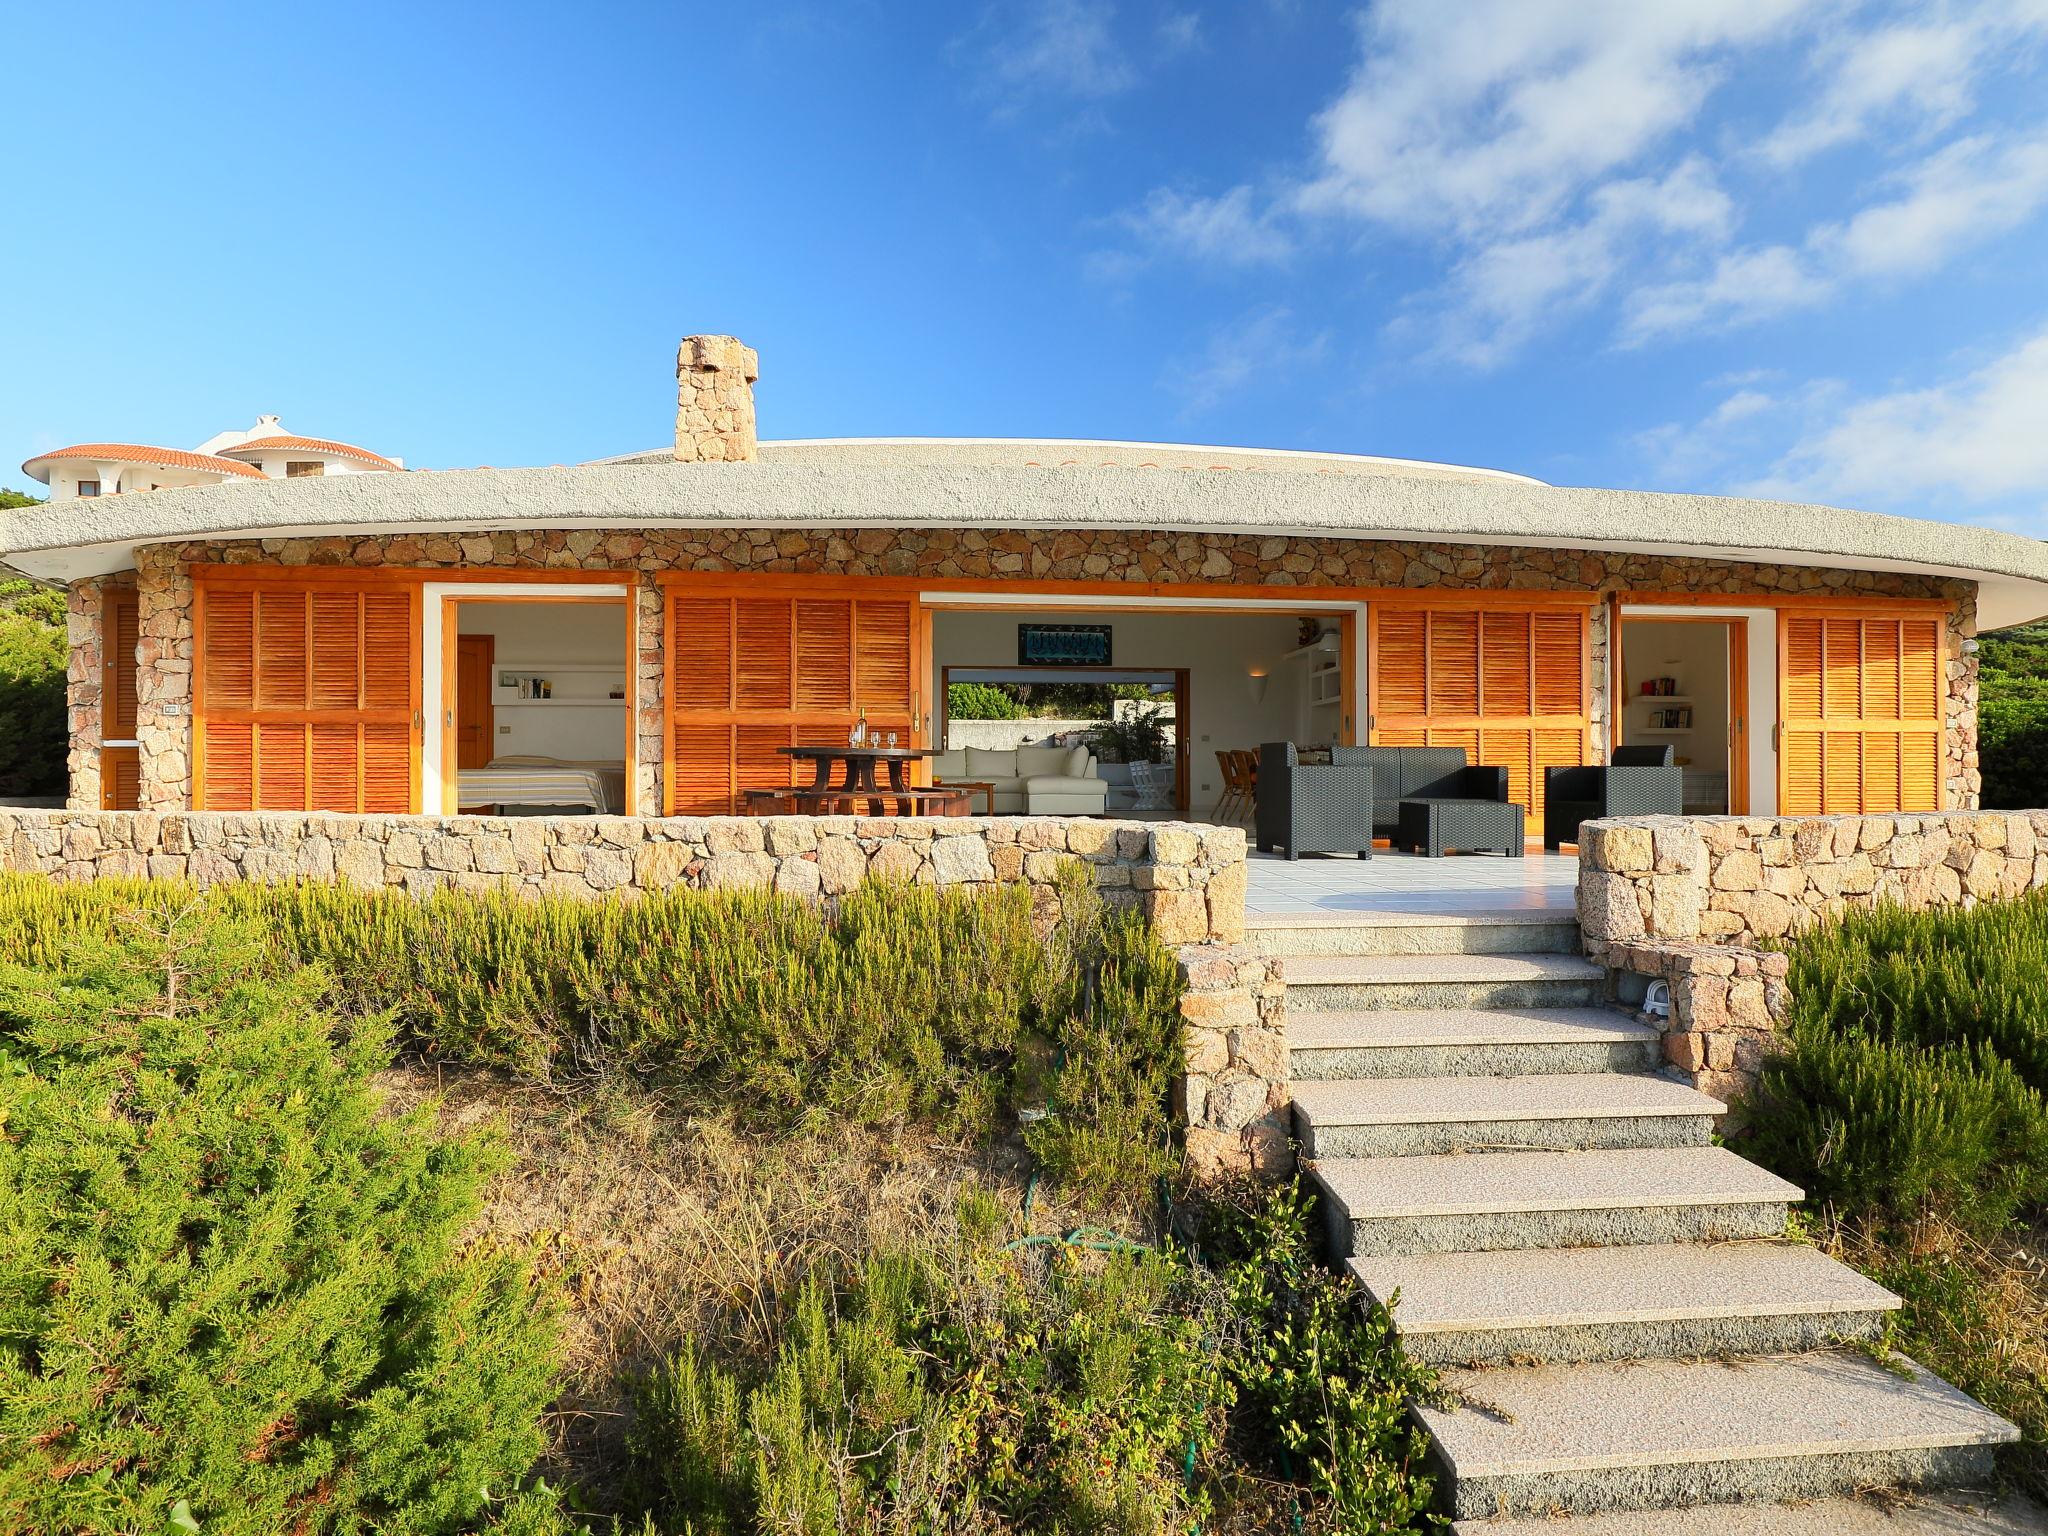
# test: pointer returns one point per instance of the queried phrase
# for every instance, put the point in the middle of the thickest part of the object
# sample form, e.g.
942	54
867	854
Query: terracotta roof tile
143	453
314	445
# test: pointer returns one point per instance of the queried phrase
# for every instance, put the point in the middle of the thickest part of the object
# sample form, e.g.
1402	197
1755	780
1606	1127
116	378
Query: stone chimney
715	400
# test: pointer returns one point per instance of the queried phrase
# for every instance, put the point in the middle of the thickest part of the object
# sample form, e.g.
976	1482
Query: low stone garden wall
1695	901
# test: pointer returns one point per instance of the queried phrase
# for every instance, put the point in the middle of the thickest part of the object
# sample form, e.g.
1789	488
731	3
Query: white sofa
1037	781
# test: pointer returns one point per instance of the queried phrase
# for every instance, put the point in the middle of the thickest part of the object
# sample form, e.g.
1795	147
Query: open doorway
1684	684
1128	718
539	714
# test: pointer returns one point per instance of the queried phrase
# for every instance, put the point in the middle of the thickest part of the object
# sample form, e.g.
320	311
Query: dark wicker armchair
1313	807
1640	781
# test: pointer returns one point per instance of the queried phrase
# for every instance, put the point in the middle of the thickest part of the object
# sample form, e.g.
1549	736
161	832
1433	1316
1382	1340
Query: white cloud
1230	229
1922	68
1496	114
1922	71
1507	290
1743	286
1180	31
1982	438
1258	344
1048	49
1962	195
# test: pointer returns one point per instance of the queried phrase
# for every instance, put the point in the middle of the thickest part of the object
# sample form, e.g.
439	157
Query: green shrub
2012	717
34	735
978	1388
233	1297
982	701
906	1003
1911	1071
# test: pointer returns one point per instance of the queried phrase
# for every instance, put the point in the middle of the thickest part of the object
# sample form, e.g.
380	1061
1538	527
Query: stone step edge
1500	917
1434	970
1694	1105
1704	1310
1407	1028
1769	1190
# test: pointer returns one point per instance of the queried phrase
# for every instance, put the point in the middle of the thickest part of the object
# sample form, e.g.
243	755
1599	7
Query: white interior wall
549	640
1220	651
1696	657
1761	627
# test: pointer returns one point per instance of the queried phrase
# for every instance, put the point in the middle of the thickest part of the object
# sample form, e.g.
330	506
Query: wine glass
892	741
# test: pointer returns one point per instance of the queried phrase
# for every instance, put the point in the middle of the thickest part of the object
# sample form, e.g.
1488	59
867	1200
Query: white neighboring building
264	452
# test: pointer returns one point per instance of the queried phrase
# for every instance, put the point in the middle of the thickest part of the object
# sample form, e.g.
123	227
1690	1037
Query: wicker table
1470	826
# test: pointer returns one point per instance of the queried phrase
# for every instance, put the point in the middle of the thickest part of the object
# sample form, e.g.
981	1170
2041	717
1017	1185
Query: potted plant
1137	736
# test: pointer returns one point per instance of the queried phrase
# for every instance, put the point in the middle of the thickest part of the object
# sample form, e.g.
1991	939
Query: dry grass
662	1224
1976	1313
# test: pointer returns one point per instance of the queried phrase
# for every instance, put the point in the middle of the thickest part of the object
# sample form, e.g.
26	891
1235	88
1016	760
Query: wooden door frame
451	604
1183	708
1738	688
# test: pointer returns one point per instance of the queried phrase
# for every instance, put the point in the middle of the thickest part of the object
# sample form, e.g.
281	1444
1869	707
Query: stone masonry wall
84	681
1234	1095
1692	901
1276	564
1188	880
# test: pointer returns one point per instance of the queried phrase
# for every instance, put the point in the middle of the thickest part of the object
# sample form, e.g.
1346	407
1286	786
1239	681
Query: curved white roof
954	484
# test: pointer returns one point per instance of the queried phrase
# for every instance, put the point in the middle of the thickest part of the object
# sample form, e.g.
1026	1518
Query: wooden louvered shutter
1507	685
308	698
750	674
1860	714
120	634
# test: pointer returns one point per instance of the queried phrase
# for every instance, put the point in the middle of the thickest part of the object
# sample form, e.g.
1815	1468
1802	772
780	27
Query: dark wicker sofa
1423	773
1313	807
1639	781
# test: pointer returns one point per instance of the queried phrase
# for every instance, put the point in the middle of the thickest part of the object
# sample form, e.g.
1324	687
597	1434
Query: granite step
1558	1112
1581	1439
1666	1301
1467	1042
1462	1202
1976	1512
1318	983
1503	932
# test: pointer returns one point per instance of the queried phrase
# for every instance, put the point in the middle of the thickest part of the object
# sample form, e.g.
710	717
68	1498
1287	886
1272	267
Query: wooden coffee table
987	790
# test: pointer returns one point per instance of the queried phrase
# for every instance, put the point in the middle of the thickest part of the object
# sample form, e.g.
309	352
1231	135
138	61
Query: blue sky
1793	246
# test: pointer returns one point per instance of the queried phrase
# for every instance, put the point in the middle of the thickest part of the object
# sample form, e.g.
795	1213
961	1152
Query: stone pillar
163	680
650	634
83	680
715	400
1963	781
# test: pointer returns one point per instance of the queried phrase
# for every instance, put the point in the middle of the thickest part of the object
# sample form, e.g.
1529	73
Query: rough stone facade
1188	880
1234	1096
84	682
1274	564
715	400
1692	901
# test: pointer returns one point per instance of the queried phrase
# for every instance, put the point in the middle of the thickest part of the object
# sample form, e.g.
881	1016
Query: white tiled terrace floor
1406	882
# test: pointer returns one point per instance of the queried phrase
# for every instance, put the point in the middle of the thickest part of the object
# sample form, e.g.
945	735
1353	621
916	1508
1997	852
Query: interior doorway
1684	683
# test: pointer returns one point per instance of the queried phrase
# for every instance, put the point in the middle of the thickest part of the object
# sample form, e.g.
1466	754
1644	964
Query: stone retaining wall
1187	879
1692	901
1234	1096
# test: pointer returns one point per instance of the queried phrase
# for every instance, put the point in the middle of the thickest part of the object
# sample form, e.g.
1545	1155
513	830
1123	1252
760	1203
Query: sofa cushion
1033	762
950	765
982	763
1080	764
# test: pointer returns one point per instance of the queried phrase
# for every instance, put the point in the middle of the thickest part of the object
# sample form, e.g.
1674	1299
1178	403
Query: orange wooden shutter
120	771
1860	714
751	673
1507	685
307	697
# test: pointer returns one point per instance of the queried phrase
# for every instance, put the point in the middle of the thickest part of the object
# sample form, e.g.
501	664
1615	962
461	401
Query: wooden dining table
857	779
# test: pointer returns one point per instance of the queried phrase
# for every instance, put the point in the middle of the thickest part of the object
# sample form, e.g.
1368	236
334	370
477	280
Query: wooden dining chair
1226	803
1248	782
